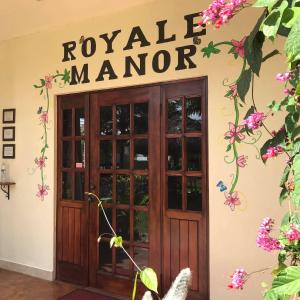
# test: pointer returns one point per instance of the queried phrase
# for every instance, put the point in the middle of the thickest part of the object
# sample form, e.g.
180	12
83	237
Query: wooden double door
143	151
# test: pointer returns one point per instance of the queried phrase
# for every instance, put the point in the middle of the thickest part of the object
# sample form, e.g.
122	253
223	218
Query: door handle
92	187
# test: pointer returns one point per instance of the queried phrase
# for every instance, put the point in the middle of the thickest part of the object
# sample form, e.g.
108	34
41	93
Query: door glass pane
122	260
174	154
193	149
67	154
141	118
79	186
80	154
140	154
79	121
67	185
67	122
174	192
123	119
194	193
123	189
105	257
123	221
106	123
106	183
123	154
141	196
174	115
141	226
106	154
141	256
193	114
104	228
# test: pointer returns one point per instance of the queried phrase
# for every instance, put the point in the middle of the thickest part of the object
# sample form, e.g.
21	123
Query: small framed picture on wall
8	151
8	134
9	115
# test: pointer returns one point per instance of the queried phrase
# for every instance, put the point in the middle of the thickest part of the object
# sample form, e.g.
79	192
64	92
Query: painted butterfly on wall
221	186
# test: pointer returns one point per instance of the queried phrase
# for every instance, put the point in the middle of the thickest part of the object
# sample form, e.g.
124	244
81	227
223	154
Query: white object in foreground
179	288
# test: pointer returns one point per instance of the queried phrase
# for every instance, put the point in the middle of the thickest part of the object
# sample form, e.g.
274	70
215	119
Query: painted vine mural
278	18
44	86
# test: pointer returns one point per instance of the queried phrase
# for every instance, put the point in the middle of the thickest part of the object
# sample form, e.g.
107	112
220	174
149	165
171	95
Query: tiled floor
15	286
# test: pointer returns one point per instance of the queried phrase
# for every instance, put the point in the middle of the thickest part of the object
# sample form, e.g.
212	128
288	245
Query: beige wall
27	224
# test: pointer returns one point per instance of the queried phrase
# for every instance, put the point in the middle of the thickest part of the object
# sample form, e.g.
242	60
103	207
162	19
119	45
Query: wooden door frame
161	84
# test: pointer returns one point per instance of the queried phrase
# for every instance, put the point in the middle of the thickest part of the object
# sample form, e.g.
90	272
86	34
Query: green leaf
253	46
265	3
116	241
292	44
295	133
287	282
271	24
296	170
290	218
209	50
149	279
290	123
289	17
298	89
243	84
270	55
283	195
134	286
228	148
285	175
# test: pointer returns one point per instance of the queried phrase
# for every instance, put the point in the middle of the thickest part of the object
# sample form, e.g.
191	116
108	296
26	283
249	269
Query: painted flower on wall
238	47
42	191
40	162
43	114
44	117
234	133
48	82
232	199
242	161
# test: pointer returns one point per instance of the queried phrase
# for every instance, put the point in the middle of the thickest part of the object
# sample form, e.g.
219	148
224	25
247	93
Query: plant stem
111	228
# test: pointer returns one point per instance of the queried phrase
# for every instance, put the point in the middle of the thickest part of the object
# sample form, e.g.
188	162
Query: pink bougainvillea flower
254	120
293	233
284	76
290	92
239	46
272	152
48	82
44	117
232	199
42	191
40	162
264	240
220	12
238	279
242	161
234	132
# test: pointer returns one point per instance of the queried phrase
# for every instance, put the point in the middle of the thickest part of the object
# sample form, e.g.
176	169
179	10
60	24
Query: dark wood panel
65	233
77	237
71	235
184	244
194	254
175	248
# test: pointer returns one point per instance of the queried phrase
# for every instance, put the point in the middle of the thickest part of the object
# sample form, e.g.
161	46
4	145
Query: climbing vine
44	86
279	17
